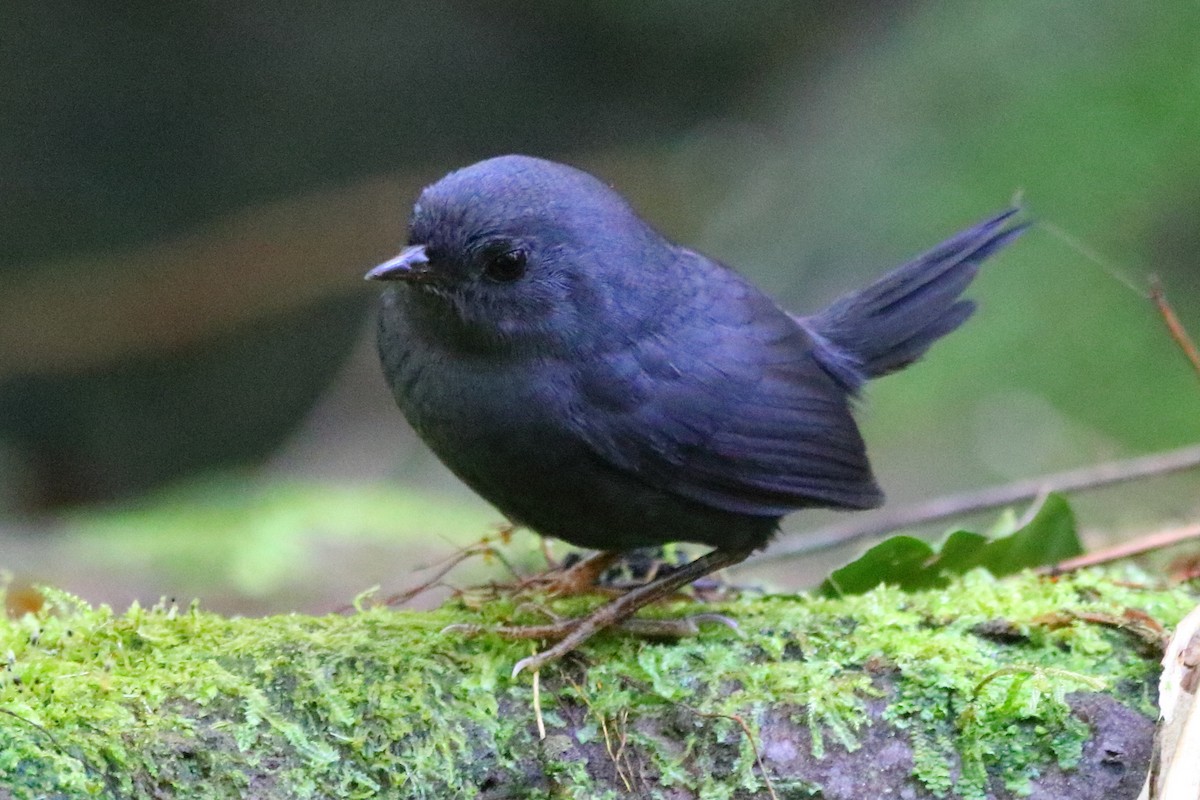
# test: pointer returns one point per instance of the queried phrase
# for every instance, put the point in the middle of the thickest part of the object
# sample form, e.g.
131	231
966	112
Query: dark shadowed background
190	403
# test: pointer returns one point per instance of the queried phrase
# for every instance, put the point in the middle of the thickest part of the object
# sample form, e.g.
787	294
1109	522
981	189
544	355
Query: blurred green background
190	403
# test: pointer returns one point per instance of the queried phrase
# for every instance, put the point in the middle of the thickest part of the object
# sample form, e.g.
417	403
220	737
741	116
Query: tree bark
984	689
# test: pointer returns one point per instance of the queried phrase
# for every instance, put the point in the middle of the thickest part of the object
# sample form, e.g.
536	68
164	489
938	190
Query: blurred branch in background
178	281
865	526
88	311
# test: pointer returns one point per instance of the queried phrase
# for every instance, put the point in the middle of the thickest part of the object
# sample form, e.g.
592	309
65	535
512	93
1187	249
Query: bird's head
518	251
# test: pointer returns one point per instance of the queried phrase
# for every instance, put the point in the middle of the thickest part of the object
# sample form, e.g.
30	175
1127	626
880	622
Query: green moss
119	705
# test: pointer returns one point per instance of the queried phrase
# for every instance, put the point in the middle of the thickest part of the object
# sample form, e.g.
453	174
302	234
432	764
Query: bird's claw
532	661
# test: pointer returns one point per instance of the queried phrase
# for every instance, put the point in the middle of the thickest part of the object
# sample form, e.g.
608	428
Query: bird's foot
562	630
605	572
649	628
571	633
578	578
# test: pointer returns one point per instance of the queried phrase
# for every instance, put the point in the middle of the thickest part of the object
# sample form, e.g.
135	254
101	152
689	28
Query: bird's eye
505	266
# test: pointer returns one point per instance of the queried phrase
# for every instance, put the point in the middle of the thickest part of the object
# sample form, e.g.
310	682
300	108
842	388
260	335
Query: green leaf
913	564
1048	538
891	558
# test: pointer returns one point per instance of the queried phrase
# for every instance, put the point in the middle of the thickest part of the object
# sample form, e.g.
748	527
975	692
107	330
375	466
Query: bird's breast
490	420
511	430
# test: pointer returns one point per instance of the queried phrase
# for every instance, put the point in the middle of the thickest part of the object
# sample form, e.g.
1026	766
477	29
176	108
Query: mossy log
987	688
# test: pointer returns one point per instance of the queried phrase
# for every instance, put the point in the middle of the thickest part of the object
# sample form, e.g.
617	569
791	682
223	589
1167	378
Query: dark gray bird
602	385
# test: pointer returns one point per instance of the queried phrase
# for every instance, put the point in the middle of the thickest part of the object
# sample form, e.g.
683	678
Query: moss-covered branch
988	688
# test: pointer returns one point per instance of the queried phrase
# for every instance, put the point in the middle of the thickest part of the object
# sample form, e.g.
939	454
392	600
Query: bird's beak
411	265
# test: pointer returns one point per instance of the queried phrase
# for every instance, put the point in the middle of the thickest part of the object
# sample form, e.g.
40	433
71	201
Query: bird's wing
733	410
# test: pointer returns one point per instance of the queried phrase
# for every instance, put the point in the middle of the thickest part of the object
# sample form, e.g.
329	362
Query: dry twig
1174	326
1143	544
941	508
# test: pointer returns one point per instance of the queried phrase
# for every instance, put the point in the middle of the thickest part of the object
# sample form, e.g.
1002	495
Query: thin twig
1029	669
750	737
449	564
444	566
956	505
87	764
1174	326
37	727
1079	246
537	705
1143	544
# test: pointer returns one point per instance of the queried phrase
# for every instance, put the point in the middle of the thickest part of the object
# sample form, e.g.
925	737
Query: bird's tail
891	323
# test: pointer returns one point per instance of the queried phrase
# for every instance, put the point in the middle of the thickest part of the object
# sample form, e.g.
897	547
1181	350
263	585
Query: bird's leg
627	605
575	579
573	632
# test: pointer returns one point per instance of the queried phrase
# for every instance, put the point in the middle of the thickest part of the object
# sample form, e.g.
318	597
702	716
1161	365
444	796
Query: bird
603	385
